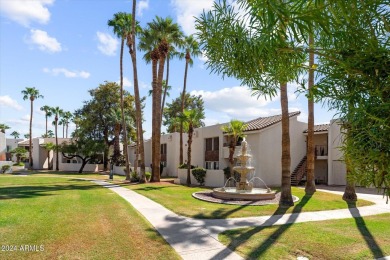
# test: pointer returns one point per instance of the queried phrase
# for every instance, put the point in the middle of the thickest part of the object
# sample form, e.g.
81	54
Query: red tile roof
264	122
320	128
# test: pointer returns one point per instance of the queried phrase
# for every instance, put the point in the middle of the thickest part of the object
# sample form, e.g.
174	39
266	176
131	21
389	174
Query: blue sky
65	48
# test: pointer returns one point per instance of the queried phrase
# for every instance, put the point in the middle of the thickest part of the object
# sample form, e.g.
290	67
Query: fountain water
244	189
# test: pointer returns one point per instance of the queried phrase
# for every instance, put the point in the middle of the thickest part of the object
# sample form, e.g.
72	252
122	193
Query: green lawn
73	219
178	199
356	238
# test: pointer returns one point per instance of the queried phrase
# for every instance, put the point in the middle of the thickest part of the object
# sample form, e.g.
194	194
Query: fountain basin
234	194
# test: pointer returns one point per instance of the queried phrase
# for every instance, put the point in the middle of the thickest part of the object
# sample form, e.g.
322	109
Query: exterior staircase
299	172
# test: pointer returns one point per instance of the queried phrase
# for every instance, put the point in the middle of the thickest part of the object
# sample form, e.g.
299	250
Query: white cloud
107	44
187	9
7	101
236	102
25	12
67	73
44	41
126	82
141	6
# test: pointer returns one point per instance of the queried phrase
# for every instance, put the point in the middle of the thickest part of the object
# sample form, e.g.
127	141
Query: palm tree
57	112
234	130
62	122
4	127
131	44
68	117
15	134
191	49
48	114
50	134
122	26
156	41
190	120
27	136
32	94
310	187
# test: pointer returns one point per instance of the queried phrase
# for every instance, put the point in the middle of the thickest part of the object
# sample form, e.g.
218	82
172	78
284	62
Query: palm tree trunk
30	159
56	121
138	107
63	130
349	193
286	196
155	121
124	128
190	134
310	185
182	110
166	88
67	125
46	124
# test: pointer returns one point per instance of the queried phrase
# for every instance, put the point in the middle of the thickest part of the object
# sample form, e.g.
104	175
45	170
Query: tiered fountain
244	190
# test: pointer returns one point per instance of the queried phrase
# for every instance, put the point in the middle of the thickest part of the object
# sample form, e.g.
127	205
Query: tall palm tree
191	119
15	134
310	187
32	94
131	44
68	117
48	114
57	112
62	122
234	130
156	40
122	26
191	50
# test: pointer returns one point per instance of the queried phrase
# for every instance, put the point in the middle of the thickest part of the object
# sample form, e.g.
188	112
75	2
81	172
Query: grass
356	238
73	219
178	198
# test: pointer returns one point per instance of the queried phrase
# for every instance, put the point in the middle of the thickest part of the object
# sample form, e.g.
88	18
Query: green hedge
199	175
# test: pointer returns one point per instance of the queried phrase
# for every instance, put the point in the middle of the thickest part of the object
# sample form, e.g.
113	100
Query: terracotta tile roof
320	128
263	122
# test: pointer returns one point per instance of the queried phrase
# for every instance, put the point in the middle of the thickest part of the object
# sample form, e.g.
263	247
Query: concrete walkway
198	238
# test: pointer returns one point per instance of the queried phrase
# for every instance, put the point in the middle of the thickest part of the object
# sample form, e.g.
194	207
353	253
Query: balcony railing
211	155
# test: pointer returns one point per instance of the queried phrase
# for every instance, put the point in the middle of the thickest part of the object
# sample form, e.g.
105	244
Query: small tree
190	119
20	153
85	149
234	130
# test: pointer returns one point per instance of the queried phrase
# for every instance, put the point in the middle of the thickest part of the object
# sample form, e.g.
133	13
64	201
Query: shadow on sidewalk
278	214
366	234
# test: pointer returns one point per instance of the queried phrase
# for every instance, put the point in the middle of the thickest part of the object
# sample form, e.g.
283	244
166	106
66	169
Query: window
212	165
212	144
163	148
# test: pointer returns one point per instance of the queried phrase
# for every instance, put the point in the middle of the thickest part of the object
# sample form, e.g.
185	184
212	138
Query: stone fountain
244	189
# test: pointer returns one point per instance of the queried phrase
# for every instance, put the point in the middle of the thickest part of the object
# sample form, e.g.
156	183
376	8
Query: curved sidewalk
198	238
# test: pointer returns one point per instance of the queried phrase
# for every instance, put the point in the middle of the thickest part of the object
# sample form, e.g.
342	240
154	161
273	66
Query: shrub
148	175
236	175
184	166
18	164
5	168
134	177
199	175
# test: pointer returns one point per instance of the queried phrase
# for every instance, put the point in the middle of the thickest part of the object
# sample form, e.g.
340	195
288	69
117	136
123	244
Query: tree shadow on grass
278	214
30	191
365	232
